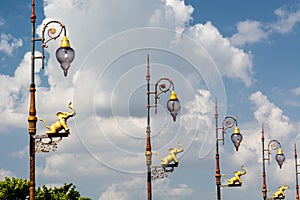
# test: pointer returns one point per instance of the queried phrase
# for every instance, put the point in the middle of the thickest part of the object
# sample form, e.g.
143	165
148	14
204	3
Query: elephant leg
174	158
64	125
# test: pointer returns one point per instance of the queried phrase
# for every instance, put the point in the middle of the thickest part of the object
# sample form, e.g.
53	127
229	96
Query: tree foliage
18	189
14	189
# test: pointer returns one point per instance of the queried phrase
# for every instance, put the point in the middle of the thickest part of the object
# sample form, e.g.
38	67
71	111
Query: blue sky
245	54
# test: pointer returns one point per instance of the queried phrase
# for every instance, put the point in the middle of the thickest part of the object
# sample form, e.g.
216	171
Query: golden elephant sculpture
280	192
61	122
171	157
236	180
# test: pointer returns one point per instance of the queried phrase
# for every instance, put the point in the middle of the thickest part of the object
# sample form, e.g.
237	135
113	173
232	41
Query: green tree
14	189
18	189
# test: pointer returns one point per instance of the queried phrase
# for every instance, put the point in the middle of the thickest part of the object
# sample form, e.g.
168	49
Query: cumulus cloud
287	19
164	191
15	93
4	172
232	62
130	189
116	139
248	32
8	43
296	91
161	190
268	113
200	109
172	14
111	193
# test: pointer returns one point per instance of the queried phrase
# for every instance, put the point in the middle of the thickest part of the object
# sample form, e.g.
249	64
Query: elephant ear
171	149
59	113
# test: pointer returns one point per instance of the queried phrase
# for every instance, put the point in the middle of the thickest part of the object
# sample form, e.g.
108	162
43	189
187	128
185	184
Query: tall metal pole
32	119
148	131
264	184
218	173
296	168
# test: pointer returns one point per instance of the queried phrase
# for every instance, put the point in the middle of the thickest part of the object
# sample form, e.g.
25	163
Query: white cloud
232	62
266	112
15	93
135	189
2	21
199	110
4	172
286	20
173	14
292	103
125	190
111	193
8	43
296	91
117	139
248	32
164	191
80	165
20	154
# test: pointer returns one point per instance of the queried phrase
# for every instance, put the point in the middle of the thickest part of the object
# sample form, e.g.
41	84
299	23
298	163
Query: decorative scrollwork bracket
159	172
46	143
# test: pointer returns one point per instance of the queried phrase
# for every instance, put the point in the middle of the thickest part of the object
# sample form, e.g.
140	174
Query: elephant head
176	150
66	115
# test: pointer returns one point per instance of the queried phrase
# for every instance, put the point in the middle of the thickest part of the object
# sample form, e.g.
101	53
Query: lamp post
236	138
173	106
272	145
65	55
297	173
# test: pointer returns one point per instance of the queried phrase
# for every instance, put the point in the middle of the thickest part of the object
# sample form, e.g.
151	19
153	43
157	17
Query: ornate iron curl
46	147
163	87
227	123
272	146
51	32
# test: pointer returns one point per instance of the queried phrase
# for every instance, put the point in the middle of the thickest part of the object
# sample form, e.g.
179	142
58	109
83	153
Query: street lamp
297	173
236	137
272	145
65	55
173	106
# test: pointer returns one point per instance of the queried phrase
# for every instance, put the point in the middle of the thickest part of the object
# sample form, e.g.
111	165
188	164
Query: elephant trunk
244	170
73	110
181	147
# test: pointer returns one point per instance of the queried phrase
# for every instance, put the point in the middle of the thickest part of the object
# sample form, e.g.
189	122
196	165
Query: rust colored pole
148	139
296	167
32	119
264	184
218	171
